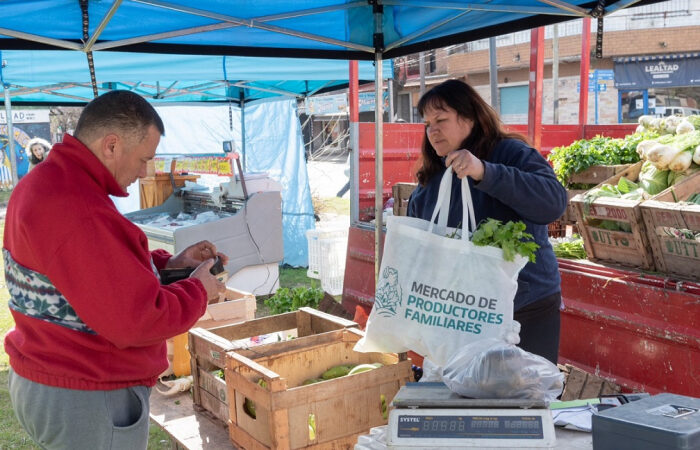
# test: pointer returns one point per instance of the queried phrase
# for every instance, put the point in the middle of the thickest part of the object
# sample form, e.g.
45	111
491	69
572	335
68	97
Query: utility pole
493	74
555	72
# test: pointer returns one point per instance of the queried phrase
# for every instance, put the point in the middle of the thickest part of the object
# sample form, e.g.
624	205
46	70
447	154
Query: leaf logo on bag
388	294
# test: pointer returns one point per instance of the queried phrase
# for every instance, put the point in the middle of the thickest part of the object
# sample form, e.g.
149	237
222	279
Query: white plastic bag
491	368
437	293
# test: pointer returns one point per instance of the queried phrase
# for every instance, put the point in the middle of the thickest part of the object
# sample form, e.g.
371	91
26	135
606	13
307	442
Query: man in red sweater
91	316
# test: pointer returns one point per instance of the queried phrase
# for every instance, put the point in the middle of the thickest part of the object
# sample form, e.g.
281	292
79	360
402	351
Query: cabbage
653	180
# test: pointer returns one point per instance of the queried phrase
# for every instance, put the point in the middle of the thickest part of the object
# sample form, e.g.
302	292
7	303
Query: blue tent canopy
342	29
60	76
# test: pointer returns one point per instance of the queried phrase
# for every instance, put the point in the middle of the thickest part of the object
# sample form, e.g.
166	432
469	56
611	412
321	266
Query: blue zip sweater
518	184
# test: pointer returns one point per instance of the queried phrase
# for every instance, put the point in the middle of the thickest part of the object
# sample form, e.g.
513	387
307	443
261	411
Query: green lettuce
653	180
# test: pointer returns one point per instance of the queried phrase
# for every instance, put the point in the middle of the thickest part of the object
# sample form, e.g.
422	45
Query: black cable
86	37
598	12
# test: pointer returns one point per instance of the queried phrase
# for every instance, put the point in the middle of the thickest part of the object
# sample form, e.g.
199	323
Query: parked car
666	111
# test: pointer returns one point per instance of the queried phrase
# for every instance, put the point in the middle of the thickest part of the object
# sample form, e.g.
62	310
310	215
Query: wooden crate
155	189
673	255
236	306
342	408
569	217
401	192
597	174
581	385
208	347
620	247
593	175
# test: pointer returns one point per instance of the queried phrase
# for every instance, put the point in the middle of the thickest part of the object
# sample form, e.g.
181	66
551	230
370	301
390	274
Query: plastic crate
314	239
333	252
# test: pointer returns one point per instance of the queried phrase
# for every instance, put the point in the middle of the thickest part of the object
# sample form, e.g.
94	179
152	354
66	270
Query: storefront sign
26	116
327	104
366	101
646	73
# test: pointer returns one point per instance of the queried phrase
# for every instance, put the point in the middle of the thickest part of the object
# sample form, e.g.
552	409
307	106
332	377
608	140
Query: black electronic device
168	276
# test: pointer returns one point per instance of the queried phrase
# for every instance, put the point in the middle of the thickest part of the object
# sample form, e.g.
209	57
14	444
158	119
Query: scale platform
430	416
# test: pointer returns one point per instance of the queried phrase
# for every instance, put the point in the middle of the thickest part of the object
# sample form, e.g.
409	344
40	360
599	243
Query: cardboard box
401	193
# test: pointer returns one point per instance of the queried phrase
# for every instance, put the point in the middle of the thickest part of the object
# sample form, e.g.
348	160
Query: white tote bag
437	291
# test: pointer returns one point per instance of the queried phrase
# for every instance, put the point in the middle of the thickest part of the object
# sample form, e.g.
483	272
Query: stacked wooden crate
671	225
592	176
620	247
291	414
208	348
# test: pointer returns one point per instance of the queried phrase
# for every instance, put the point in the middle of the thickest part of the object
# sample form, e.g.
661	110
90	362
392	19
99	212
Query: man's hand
212	285
194	255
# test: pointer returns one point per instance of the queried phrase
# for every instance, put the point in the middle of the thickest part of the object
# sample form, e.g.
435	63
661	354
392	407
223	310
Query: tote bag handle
442	206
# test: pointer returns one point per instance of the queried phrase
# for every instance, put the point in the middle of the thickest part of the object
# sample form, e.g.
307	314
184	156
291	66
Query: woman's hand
195	254
465	164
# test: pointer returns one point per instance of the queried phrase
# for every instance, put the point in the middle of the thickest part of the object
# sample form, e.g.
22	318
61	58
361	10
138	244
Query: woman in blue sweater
509	181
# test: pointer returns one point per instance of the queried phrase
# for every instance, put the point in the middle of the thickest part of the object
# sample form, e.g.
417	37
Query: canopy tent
362	30
342	29
60	77
32	77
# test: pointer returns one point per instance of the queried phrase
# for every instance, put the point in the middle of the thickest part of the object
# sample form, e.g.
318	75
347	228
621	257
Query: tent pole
378	138
10	134
378	163
354	143
243	131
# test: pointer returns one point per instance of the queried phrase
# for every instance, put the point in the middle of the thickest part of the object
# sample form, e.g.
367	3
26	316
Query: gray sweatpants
57	418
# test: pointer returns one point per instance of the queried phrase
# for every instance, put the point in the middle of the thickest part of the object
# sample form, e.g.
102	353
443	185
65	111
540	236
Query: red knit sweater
61	223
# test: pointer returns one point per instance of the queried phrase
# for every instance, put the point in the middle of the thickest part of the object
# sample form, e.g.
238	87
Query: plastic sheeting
274	145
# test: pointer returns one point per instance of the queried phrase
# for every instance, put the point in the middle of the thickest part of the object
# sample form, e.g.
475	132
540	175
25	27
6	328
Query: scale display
470	427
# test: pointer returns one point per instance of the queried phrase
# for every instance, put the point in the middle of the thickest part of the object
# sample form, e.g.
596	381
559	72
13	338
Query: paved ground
328	173
327	176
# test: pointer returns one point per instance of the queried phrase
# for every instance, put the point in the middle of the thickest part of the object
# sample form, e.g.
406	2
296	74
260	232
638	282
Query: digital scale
429	416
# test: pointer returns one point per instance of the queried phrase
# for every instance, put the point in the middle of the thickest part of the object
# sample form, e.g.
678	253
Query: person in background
509	181
37	149
91	316
5	168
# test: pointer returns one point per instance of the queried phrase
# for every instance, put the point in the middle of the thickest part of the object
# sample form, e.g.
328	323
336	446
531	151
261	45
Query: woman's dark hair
487	132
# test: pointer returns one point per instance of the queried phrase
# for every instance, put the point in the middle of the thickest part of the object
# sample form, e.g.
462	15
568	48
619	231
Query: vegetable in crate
572	249
600	150
286	299
672	152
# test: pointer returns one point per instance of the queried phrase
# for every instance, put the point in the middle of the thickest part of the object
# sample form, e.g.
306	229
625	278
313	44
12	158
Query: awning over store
657	71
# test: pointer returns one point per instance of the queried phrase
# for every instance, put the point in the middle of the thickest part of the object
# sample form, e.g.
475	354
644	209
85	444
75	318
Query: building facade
650	64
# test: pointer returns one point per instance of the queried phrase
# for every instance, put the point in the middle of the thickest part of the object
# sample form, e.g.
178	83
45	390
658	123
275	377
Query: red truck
641	331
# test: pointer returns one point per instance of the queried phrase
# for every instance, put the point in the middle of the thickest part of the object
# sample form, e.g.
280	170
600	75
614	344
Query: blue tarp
341	29
59	76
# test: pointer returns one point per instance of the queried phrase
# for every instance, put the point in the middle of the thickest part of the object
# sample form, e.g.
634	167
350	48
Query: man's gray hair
117	111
